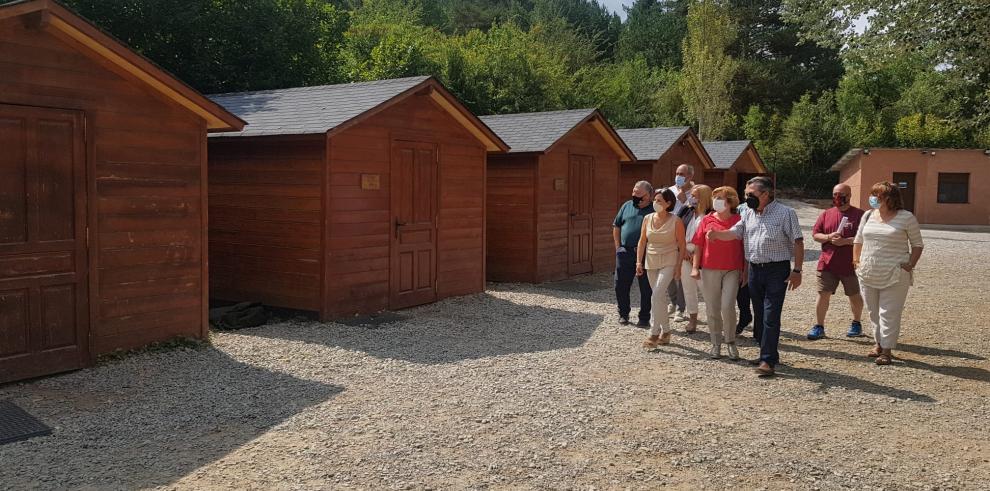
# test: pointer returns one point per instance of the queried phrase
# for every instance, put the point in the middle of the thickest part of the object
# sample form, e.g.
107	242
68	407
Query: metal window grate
16	424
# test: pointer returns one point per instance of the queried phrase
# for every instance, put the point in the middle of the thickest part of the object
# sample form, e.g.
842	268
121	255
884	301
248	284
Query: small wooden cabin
659	152
735	163
551	199
351	198
102	195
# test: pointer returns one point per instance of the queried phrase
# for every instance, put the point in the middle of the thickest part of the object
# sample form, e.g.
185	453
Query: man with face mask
683	184
835	230
772	238
625	233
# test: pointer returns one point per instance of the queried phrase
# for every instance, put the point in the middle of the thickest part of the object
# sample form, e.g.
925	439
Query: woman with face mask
699	204
720	267
886	249
659	254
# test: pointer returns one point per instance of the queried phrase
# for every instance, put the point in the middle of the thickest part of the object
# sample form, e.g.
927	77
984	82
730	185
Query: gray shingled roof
724	154
651	143
534	132
308	110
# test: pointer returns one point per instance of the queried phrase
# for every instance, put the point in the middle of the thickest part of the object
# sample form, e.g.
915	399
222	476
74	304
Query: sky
616	5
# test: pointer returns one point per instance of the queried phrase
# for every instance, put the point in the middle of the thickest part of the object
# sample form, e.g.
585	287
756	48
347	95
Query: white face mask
718	205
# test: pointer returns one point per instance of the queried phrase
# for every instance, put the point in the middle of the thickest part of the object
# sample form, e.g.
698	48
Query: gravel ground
529	387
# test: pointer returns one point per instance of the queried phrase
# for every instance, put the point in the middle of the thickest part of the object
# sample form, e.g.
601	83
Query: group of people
747	251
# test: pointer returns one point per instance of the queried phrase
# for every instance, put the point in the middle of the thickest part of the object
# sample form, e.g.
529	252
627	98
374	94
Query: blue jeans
625	273
768	286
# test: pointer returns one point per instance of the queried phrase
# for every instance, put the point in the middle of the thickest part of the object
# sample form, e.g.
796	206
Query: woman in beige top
659	254
886	249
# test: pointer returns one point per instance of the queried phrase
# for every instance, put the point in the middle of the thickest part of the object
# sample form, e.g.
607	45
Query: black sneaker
624	321
643	324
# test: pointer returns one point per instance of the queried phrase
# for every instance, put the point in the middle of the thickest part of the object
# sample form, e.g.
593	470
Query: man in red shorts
835	229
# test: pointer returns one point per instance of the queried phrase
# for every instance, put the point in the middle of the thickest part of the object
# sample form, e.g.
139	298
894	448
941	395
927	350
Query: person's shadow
824	379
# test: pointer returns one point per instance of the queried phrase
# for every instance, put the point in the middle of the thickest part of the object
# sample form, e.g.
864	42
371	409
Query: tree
228	45
952	33
777	67
655	30
811	140
706	81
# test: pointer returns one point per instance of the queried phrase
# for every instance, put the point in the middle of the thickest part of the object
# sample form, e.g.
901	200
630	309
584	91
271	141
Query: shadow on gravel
970	373
150	420
452	330
825	379
910	348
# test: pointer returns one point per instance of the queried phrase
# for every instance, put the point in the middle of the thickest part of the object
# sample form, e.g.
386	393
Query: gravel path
529	387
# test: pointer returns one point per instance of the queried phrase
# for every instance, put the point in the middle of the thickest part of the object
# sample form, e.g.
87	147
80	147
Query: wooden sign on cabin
371	182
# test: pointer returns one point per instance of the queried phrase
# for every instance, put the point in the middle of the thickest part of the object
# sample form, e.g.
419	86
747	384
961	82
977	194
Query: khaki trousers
720	287
659	280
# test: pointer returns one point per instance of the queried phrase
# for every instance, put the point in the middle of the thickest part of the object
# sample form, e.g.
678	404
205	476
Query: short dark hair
668	196
888	193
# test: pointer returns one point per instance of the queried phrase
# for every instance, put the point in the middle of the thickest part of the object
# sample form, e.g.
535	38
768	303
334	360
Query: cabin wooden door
414	197
580	227
44	312
905	182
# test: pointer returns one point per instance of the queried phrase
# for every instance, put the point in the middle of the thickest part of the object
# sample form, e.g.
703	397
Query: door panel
414	196
580	224
905	181
44	316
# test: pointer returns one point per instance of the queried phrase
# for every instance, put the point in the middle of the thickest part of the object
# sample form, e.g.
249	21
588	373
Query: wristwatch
798	271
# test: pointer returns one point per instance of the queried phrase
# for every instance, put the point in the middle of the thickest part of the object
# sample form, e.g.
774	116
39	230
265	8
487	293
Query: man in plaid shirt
772	238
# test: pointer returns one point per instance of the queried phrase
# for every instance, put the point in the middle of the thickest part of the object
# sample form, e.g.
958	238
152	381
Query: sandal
651	342
664	339
884	359
875	352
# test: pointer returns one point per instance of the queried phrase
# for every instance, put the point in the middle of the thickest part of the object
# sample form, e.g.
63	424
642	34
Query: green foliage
918	130
229	45
654	30
387	40
706	81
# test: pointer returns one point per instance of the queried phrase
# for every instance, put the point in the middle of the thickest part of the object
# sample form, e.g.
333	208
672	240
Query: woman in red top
720	266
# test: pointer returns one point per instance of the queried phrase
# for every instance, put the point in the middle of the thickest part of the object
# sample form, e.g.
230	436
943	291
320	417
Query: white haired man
625	233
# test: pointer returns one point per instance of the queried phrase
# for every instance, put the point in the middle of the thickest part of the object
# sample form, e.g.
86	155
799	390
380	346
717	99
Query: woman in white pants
659	254
700	204
721	267
886	249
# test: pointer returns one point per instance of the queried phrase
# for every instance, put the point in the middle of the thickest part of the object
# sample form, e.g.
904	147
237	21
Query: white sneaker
733	351
671	308
716	352
681	317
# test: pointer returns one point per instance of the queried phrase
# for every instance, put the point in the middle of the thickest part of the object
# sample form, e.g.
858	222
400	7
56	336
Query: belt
767	265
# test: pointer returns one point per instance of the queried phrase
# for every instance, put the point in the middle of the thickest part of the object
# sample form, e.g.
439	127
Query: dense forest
796	77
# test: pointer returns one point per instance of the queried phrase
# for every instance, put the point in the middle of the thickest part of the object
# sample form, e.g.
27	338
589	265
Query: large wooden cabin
352	198
102	195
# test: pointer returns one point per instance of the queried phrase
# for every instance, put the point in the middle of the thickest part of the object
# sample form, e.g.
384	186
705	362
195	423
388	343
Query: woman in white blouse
886	249
700	205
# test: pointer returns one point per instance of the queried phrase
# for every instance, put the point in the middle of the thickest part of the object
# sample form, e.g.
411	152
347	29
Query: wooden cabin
735	163
102	193
551	199
659	152
351	198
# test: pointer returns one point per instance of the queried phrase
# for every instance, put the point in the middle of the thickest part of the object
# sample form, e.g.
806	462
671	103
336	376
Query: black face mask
752	201
637	200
